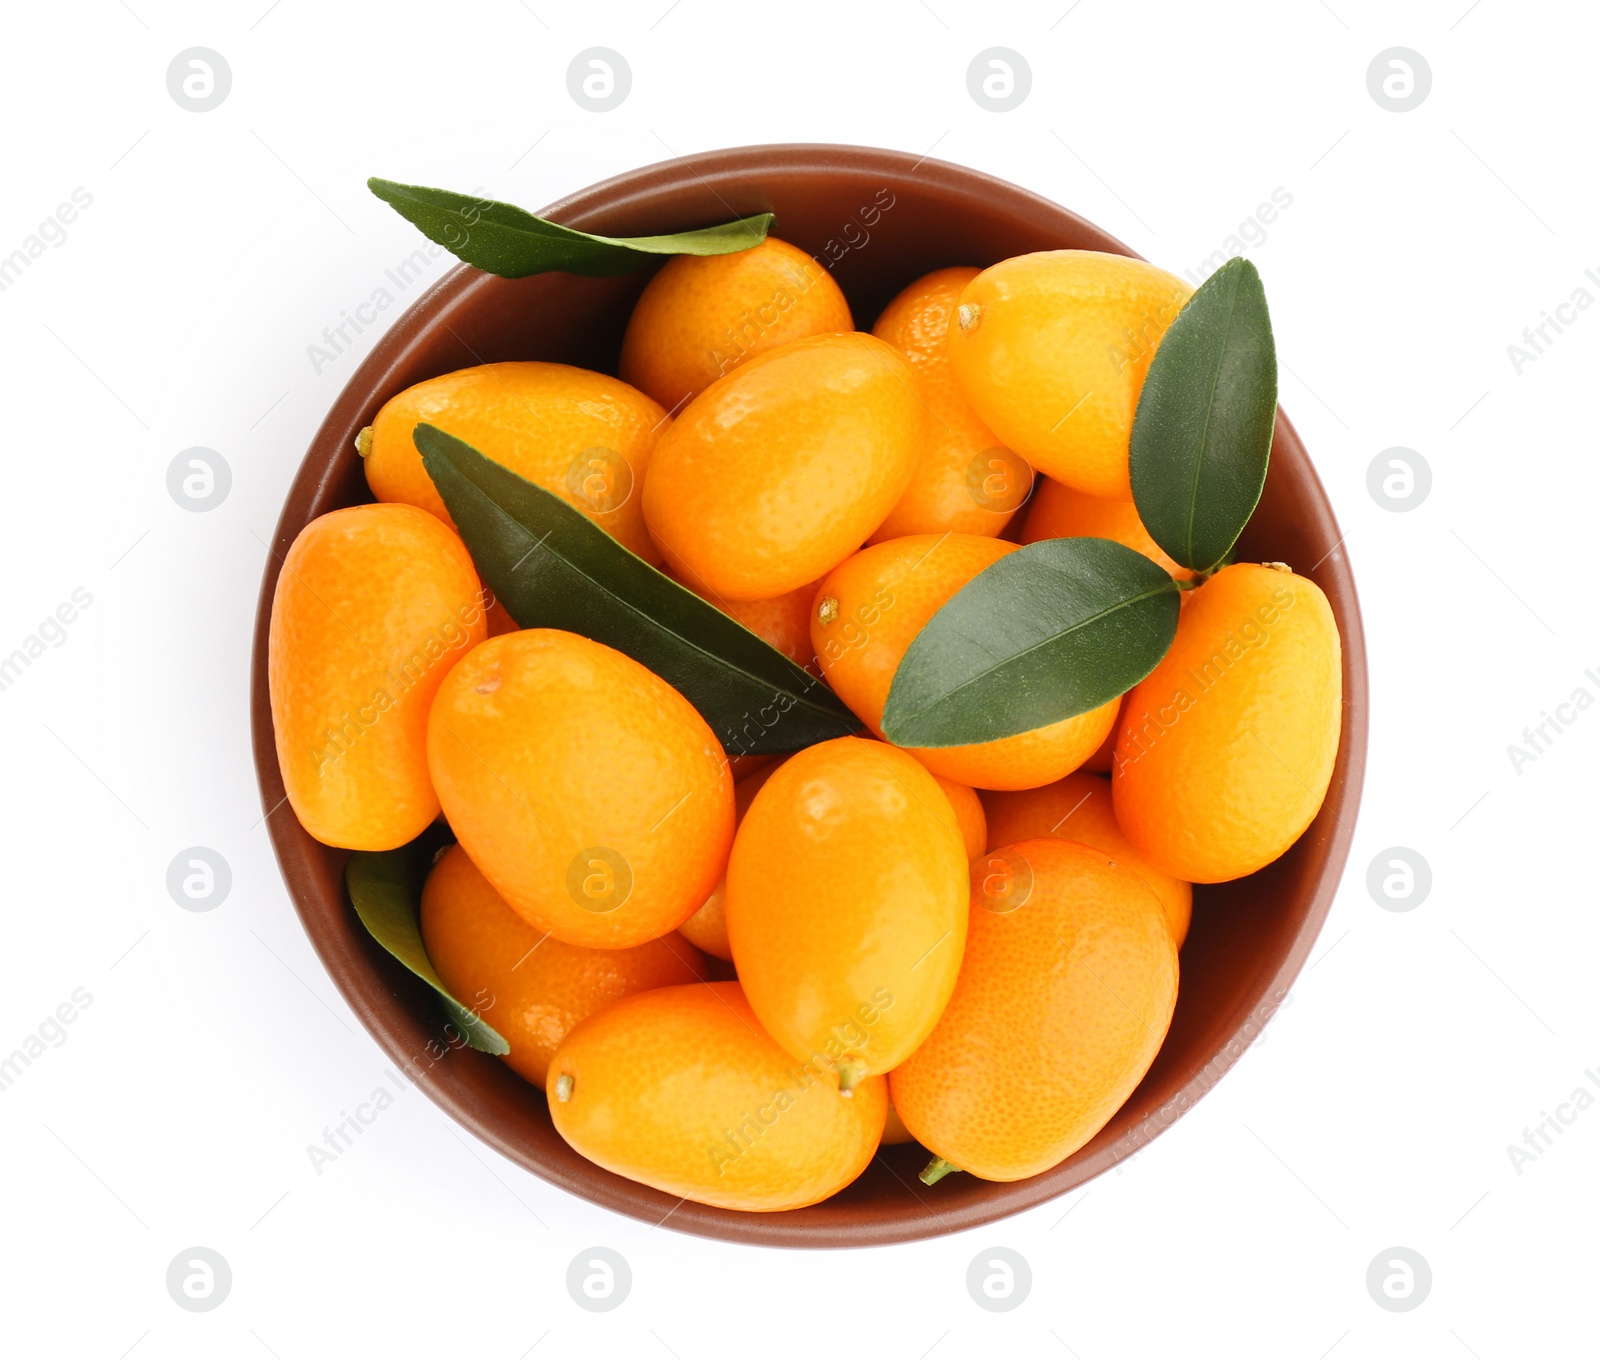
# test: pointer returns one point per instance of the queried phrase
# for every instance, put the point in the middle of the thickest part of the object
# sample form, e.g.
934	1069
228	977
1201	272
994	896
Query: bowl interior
877	220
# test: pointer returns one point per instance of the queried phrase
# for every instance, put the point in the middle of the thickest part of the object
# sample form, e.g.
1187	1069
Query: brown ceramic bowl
880	219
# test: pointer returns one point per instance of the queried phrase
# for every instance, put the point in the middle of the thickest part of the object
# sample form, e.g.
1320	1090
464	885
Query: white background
1377	1109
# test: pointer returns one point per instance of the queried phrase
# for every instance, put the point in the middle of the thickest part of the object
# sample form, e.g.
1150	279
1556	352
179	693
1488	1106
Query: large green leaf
1202	433
1047	632
384	888
503	239
553	567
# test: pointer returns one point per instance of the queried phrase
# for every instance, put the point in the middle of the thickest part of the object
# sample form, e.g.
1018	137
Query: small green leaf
1202	433
500	238
384	888
554	567
1047	632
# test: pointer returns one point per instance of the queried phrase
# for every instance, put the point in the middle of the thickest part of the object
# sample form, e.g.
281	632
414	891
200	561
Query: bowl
878	220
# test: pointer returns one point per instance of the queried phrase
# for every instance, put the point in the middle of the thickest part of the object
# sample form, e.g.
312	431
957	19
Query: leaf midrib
1016	657
1205	428
542	229
801	696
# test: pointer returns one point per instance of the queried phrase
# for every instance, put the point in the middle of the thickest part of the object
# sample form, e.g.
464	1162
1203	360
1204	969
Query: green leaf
500	238
554	567
1202	433
384	888
1047	632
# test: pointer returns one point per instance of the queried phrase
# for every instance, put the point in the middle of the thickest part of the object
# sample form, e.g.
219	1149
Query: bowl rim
380	1009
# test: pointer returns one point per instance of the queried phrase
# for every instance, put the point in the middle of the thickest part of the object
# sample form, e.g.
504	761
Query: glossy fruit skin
882	597
965	481
1225	750
708	927
1100	761
1058	511
374	605
1061	1007
681	1089
1054	353
895	1131
532	988
702	316
589	791
1078	808
783	623
971	820
777	472
585	436
846	903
